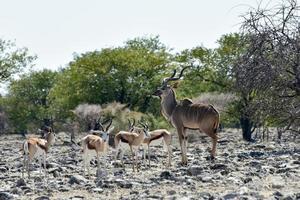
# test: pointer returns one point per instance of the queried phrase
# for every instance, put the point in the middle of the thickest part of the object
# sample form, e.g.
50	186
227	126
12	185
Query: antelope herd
182	115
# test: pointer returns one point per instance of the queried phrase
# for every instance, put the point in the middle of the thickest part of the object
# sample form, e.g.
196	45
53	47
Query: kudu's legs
181	136
214	138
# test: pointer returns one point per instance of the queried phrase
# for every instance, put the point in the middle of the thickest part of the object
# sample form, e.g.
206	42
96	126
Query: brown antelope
93	143
155	135
133	139
37	148
187	115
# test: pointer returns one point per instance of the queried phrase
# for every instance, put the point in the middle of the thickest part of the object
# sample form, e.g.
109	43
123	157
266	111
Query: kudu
187	115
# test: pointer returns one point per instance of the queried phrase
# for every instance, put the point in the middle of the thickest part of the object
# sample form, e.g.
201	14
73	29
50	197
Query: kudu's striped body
187	115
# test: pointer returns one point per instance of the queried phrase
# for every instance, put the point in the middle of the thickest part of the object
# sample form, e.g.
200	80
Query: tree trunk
246	128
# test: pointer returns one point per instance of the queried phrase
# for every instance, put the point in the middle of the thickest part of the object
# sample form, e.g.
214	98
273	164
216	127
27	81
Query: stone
42	198
123	183
171	192
166	175
218	166
20	182
97	190
194	170
101	173
78	179
6	196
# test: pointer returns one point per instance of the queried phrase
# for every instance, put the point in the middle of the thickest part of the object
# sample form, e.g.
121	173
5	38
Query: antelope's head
131	125
105	131
145	129
50	136
165	88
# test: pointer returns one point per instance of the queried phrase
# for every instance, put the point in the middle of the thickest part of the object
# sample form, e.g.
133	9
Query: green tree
12	59
27	101
125	74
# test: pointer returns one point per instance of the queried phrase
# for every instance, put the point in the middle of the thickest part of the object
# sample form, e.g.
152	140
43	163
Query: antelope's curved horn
110	122
167	79
180	75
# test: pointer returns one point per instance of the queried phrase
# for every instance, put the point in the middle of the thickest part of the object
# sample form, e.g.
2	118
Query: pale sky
54	30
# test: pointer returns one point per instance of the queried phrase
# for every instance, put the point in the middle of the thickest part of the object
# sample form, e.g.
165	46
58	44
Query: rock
77	197
288	198
256	154
3	169
97	190
6	196
171	192
231	196
20	182
205	195
243	190
277	182
166	175
247	180
194	170
218	166
42	198
206	179
123	183
78	179
101	173
16	190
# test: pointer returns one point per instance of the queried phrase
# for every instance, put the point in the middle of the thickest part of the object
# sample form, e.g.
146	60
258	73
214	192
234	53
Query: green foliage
12	59
126	74
27	102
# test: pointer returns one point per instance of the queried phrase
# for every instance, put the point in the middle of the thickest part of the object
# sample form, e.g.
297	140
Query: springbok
133	139
93	143
187	115
154	135
37	148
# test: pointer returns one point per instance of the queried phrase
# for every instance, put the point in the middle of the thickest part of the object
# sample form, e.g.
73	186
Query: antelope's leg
28	166
98	161
122	156
149	155
180	132
169	154
185	144
213	135
45	167
214	145
132	157
24	165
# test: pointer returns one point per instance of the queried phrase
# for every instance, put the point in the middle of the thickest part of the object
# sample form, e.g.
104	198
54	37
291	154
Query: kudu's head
165	89
105	131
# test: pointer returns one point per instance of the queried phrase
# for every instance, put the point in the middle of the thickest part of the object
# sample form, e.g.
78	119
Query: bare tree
268	73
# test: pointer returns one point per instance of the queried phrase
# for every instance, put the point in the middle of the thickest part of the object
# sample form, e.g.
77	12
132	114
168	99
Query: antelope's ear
110	130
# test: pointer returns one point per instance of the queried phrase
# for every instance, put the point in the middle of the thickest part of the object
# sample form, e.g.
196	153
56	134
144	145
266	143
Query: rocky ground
260	170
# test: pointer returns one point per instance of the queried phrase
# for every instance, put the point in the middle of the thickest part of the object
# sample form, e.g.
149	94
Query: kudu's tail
217	122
